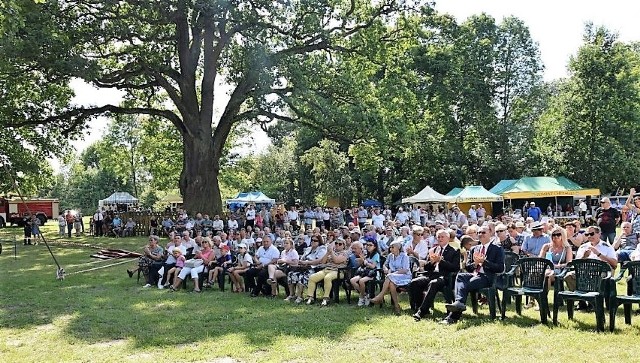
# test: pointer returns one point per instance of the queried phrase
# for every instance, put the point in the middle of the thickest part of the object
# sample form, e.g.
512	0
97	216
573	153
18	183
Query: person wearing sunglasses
558	252
398	273
626	243
594	248
608	218
505	239
597	248
336	257
574	237
485	260
533	244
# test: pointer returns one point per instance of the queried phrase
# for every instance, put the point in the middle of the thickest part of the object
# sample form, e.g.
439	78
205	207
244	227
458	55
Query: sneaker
367	301
270	281
299	300
361	301
309	301
289	298
160	287
147	285
325	302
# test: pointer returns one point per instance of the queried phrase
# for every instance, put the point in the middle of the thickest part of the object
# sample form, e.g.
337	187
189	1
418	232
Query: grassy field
104	316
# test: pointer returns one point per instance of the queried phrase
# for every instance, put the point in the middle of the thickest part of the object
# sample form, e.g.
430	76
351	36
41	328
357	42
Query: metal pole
15	248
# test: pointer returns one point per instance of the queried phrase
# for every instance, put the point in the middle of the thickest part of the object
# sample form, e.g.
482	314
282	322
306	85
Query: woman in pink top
206	255
174	271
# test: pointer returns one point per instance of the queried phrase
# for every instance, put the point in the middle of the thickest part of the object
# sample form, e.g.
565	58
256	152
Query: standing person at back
98	219
534	212
608	218
362	216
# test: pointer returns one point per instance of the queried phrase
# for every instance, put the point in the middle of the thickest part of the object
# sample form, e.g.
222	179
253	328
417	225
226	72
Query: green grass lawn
104	315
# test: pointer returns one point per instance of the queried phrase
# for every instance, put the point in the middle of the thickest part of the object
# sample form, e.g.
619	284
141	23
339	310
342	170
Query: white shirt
249	242
251	214
583	207
266	256
422	248
293	215
472	214
378	220
415	215
602	247
402	217
218	224
248	260
232	224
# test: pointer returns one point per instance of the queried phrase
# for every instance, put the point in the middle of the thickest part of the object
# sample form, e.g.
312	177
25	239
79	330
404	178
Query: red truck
13	210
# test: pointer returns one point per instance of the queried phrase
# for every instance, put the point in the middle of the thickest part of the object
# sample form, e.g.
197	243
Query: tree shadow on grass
105	305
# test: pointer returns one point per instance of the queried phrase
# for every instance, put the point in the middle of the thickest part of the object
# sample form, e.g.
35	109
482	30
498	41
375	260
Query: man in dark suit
443	260
484	262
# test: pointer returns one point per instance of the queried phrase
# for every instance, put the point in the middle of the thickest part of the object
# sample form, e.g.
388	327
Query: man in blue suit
484	262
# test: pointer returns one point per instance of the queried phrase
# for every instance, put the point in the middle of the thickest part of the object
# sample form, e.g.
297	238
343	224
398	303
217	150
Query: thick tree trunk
380	185
199	178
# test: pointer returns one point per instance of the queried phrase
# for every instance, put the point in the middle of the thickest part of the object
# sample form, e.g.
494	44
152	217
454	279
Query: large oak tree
181	50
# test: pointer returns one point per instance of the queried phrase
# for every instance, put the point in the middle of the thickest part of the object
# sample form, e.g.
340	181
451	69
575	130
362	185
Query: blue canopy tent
371	203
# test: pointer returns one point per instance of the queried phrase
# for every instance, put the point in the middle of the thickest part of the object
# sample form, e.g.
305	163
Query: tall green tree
592	124
182	48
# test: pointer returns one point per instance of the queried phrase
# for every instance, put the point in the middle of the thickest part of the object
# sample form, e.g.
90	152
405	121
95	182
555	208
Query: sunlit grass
103	315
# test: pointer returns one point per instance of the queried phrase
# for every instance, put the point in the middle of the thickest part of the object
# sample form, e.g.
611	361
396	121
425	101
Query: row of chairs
526	277
594	282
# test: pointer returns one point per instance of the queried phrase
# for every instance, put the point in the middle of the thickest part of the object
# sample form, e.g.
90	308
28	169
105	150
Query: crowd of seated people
460	254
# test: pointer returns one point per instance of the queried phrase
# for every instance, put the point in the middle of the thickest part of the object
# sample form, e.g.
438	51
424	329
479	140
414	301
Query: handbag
193	263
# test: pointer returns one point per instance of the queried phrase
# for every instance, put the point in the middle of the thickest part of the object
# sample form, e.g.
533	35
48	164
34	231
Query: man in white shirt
481	212
251	216
232	224
583	208
597	248
218	225
293	218
326	219
402	217
458	218
473	215
266	255
387	213
98	219
415	215
377	219
362	216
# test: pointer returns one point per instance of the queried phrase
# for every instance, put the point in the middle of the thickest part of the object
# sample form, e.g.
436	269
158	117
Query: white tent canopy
251	197
428	195
119	198
475	194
